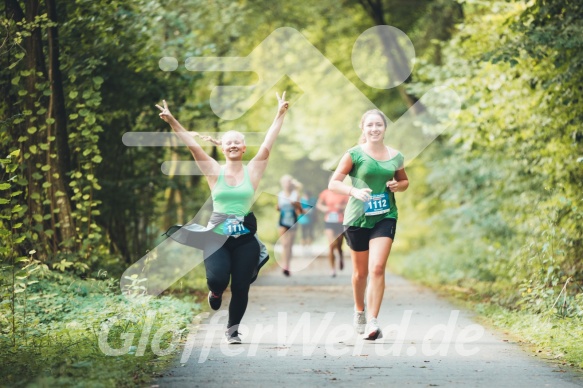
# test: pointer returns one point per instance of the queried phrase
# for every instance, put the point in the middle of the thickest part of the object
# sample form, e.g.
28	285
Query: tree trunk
393	51
58	93
12	12
169	213
34	62
61	163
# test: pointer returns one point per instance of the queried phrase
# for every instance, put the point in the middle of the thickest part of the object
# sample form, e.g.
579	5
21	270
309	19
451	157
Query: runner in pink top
332	205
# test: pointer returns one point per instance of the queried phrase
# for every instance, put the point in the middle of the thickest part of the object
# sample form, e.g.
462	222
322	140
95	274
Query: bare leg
338	248
287	240
291	235
331	246
379	249
284	238
359	275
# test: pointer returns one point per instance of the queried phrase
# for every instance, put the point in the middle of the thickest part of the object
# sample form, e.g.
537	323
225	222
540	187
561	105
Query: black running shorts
358	238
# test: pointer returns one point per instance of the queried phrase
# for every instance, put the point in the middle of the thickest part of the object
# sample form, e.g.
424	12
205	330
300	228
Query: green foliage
556	339
83	141
60	319
501	191
110	81
494	208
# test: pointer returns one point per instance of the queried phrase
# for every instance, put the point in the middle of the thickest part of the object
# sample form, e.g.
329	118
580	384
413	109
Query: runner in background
333	205
307	221
289	208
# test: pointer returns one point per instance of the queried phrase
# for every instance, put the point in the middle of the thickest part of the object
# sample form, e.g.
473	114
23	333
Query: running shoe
215	300
232	337
373	331
286	272
359	321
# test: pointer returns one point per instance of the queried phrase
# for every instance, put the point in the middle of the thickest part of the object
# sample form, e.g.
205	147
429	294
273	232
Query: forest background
493	216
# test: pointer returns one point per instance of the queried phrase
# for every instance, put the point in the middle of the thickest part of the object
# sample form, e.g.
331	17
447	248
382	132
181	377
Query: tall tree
405	14
62	161
37	108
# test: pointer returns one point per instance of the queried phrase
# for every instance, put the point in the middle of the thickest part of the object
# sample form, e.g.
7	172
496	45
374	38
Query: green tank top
373	174
234	200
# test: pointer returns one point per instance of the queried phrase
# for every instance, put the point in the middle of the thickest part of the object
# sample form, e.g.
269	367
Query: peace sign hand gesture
174	124
283	105
165	112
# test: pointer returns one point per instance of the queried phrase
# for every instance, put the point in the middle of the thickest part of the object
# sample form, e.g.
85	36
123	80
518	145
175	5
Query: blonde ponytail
218	142
209	139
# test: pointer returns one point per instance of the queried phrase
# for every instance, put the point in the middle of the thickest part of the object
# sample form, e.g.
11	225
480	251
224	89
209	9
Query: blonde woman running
233	226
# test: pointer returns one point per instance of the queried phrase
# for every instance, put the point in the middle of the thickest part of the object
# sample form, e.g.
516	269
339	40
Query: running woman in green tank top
233	189
233	200
377	172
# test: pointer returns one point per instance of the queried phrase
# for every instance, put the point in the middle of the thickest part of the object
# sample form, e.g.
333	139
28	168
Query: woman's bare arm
208	166
338	186
258	164
400	181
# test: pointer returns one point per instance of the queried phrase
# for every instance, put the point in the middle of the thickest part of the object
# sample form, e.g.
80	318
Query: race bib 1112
377	204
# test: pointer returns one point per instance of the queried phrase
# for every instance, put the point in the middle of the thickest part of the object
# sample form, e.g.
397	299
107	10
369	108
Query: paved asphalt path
297	332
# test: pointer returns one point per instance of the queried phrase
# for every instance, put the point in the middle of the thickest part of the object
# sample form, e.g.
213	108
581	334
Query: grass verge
547	336
71	332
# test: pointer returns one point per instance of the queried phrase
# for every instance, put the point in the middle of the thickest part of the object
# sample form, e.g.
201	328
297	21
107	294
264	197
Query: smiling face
233	145
373	127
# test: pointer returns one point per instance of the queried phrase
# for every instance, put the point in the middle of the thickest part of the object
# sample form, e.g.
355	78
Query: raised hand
283	105
165	112
167	116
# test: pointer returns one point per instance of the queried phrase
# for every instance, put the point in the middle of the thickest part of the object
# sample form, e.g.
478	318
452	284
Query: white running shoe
359	321
373	331
232	336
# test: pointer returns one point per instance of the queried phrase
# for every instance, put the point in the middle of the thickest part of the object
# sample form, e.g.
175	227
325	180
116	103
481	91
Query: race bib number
378	204
288	217
333	217
234	227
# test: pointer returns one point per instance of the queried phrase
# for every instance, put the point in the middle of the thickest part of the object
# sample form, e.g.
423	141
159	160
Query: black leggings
235	260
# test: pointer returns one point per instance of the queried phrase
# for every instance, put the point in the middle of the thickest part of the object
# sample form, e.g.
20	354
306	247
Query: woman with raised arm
233	187
370	218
